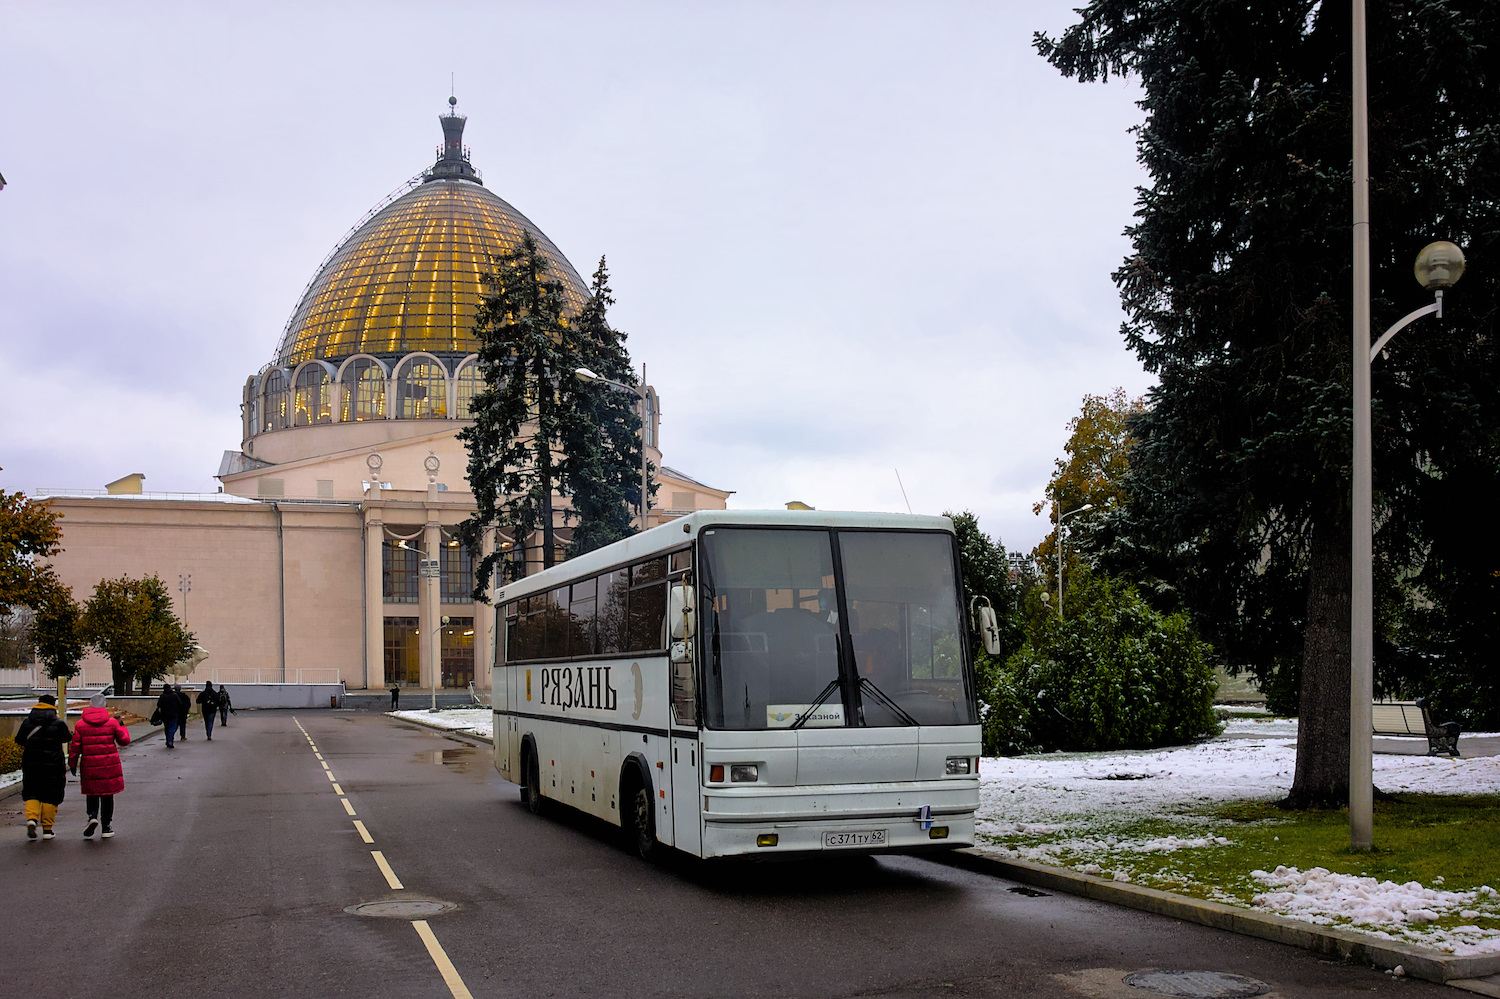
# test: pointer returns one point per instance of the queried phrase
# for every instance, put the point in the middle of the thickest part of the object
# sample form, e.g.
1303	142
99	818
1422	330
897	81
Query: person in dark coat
44	766
208	706
95	750
186	709
169	707
224	706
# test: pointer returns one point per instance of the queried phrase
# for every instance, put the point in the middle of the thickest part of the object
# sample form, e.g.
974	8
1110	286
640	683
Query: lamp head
1439	265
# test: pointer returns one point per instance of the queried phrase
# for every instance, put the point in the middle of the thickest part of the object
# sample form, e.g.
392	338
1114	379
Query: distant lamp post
1060	518
640	394
1438	267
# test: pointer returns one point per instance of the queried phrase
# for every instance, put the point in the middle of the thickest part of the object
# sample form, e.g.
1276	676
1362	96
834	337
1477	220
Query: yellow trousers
46	814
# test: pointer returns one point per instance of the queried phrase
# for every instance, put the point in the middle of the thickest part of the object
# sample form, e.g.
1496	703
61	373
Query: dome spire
453	157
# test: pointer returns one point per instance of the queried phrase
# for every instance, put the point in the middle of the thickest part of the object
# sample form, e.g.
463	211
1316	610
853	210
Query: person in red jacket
95	751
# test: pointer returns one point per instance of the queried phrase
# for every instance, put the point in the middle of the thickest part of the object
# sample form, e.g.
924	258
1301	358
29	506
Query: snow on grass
477	722
1386	909
6	780
1105	813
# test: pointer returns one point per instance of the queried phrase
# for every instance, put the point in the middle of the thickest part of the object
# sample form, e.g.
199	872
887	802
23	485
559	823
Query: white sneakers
31	828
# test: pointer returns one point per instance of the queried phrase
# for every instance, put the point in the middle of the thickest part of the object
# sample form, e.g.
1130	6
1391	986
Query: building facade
331	552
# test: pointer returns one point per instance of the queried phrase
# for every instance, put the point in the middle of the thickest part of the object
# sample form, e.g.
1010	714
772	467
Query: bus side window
610	618
581	620
555	645
512	631
648	606
527	626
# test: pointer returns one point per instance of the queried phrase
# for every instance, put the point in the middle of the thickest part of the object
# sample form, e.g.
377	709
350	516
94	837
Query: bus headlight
959	765
740	773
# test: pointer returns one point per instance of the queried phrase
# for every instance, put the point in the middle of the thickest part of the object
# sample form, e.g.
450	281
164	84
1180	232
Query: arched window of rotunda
312	398
466	384
276	400
362	389
421	388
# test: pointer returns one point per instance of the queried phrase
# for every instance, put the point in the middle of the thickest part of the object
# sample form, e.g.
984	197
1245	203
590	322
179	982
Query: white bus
742	683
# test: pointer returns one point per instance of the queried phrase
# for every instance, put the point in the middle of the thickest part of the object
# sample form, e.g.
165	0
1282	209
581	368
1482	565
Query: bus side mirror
982	619
680	611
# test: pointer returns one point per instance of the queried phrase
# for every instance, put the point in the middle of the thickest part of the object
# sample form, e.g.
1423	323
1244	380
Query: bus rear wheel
532	792
640	821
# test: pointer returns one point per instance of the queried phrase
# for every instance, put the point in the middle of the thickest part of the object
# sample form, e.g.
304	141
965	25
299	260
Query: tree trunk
1322	779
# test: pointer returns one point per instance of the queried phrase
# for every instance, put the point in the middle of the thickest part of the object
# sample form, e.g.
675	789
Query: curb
1350	945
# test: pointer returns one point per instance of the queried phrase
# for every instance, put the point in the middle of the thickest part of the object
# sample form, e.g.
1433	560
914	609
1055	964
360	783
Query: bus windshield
778	654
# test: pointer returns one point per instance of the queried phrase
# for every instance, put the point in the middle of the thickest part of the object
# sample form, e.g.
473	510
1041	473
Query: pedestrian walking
395	696
208	705
94	756
186	708
168	709
224	706
44	766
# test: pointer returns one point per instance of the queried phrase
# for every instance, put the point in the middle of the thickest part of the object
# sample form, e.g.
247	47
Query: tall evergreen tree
603	439
527	356
1238	299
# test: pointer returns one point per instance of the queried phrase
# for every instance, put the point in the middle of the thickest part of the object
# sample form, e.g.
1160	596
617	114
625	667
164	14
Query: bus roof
674	533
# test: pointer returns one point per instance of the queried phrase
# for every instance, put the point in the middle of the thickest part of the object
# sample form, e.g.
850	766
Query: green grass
1420	838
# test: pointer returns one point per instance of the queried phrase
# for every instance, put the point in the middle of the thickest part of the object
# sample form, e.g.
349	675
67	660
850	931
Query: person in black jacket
224	706
44	765
208	706
169	707
185	709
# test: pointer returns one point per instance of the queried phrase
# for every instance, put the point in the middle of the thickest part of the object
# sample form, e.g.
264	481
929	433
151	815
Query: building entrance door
458	652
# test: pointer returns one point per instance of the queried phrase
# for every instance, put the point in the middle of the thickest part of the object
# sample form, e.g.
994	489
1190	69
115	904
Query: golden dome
409	277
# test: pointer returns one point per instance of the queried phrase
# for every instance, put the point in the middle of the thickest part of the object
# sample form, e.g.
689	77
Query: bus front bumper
900	818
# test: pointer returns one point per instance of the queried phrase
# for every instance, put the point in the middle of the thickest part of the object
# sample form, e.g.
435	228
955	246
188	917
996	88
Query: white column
374	601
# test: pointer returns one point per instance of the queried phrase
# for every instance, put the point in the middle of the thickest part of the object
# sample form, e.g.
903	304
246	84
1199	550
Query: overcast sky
845	238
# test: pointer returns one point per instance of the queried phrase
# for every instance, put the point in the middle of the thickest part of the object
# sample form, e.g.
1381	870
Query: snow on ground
473	721
6	780
1320	896
1058	808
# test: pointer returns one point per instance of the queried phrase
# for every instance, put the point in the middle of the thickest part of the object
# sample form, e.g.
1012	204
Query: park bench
1411	718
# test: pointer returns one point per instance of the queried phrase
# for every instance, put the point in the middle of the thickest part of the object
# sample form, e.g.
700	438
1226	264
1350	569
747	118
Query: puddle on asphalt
462	757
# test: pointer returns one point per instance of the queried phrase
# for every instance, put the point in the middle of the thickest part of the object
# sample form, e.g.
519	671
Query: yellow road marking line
337	789
439	956
364	833
347	807
317	754
329	773
325	764
390	875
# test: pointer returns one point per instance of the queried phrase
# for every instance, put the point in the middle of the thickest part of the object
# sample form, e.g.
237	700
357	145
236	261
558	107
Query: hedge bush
10	756
1115	675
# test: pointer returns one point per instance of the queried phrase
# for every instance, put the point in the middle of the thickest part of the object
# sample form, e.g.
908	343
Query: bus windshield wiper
802	719
865	683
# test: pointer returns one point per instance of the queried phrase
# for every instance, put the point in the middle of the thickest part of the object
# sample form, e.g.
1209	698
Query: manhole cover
1196	984
1029	892
412	908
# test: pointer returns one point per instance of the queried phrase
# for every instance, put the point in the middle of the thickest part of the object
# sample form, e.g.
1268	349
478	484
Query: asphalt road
234	862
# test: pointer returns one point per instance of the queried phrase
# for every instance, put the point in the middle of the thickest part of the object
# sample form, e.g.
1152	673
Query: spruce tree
1238	297
527	355
603	438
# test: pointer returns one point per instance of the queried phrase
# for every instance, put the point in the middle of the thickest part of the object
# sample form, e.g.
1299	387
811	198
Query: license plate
865	837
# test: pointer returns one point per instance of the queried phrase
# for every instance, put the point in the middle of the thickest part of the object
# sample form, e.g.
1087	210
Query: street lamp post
640	394
1438	266
1060	518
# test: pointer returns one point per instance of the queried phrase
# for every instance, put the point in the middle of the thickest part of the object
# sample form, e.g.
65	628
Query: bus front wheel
640	829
